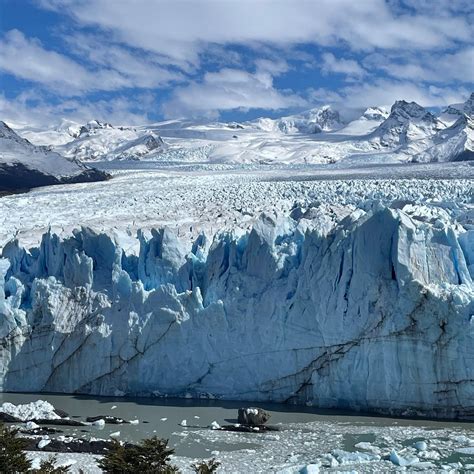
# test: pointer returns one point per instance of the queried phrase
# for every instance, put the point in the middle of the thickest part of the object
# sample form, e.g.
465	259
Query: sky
138	61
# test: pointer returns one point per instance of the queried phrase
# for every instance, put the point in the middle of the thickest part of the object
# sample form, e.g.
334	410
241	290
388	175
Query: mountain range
407	133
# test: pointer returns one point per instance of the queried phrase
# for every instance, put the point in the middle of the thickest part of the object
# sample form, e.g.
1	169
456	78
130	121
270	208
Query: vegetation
150	456
47	467
12	455
206	467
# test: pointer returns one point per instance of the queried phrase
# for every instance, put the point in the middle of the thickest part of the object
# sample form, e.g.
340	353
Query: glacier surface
366	307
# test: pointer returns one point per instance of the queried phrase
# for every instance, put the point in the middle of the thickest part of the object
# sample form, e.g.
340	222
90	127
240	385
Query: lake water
162	417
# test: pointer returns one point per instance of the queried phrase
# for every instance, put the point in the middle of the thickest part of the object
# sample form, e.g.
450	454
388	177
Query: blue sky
148	60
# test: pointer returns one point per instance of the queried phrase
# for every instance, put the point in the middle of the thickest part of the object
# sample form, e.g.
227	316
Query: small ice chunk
163	419
423	465
463	440
39	410
31	425
347	457
197	417
420	446
184	423
134	422
430	455
43	443
113	407
215	425
115	434
368	447
310	469
403	461
100	423
333	462
469	450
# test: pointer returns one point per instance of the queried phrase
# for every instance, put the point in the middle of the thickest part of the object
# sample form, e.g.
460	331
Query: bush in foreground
12	456
47	466
206	467
150	456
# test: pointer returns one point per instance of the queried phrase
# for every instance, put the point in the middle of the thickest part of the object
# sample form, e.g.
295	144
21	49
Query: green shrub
12	456
150	456
47	466
206	467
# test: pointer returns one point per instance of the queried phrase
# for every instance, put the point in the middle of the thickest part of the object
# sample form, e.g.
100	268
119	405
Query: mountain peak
375	113
412	109
9	134
94	125
5	130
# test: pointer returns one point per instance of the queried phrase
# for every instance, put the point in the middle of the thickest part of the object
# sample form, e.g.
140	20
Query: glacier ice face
372	310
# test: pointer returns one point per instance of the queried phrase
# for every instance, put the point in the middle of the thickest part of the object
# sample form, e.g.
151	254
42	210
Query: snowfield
211	199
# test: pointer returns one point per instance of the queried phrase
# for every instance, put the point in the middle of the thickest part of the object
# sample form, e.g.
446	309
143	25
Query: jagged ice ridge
364	309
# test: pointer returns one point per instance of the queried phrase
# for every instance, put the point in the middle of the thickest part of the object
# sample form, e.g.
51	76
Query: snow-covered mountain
406	123
318	120
24	165
452	113
366	123
102	141
407	133
455	143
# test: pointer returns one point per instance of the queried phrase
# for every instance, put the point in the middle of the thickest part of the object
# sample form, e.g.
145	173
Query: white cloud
348	67
32	109
113	67
384	92
27	59
275	67
182	29
229	89
137	68
148	44
434	68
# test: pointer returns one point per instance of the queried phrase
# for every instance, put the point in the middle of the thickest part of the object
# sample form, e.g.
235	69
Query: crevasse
372	312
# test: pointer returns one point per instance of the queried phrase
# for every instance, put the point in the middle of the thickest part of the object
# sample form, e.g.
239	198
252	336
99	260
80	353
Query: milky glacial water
163	417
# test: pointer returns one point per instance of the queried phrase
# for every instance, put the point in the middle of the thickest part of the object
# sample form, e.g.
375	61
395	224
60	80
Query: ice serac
372	310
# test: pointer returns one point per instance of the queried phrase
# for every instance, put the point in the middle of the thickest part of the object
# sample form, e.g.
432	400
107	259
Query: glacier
368	308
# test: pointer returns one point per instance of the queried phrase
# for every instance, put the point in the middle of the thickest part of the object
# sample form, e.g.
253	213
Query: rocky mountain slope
24	165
